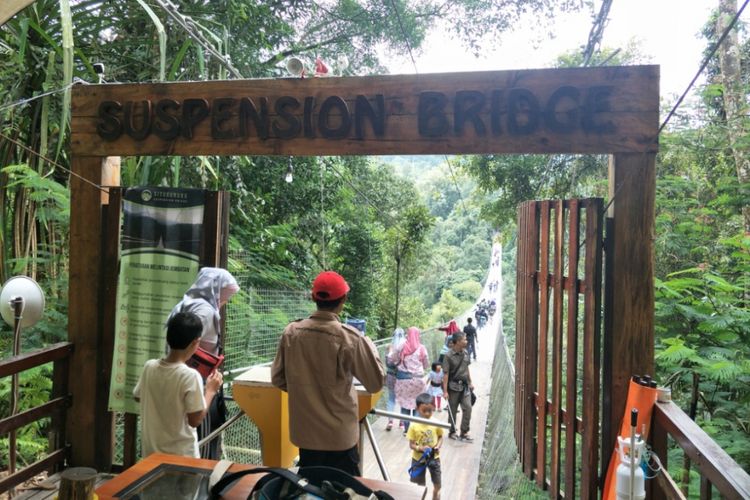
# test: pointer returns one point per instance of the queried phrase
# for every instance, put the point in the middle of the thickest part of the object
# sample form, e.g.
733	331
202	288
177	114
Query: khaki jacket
315	363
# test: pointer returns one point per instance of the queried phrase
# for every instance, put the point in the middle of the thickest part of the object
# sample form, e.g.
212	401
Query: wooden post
77	484
629	287
85	426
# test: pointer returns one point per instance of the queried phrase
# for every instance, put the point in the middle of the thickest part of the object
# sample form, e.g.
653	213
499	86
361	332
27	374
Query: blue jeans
405	411
472	347
391	404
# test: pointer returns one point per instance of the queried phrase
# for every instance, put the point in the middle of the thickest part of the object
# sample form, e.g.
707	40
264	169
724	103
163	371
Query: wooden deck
47	489
459	460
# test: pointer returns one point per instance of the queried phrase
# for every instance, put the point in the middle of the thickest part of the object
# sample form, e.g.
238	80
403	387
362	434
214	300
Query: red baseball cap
329	285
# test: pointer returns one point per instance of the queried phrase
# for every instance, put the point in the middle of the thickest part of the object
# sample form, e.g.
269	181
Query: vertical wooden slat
519	330
129	452
224	203
557	310
706	493
211	225
60	374
110	272
522	332
659	440
531	312
541	443
571	363
591	346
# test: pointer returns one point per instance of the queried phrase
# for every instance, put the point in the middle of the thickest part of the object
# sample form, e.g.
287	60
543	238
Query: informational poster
161	239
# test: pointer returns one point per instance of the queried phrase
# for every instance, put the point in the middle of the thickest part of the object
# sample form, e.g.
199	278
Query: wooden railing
55	408
715	466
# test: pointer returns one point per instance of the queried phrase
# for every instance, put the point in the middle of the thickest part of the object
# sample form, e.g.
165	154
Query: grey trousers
464	399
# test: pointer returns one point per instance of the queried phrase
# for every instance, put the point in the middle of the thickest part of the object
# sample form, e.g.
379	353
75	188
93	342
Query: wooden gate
558	347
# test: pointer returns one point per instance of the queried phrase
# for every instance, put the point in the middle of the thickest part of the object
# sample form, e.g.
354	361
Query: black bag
456	385
326	483
473	398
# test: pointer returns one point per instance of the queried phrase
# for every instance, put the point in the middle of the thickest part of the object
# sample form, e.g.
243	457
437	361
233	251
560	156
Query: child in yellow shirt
425	442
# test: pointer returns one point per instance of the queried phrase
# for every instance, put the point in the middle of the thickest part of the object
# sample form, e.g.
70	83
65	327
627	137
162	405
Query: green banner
161	239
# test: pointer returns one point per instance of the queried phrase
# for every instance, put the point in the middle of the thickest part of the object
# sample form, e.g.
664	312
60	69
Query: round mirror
33	300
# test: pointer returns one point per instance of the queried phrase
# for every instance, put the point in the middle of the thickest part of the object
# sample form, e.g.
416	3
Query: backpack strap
299	481
317	474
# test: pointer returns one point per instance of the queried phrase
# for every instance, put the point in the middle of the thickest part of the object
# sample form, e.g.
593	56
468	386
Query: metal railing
55	408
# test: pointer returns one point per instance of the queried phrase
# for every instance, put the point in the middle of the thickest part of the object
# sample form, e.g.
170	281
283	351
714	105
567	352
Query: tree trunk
735	103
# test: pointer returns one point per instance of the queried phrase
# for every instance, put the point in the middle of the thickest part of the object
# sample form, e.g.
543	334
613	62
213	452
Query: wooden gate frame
608	110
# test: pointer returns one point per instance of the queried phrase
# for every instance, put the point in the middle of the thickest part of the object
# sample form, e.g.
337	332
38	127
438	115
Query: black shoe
466	438
452	435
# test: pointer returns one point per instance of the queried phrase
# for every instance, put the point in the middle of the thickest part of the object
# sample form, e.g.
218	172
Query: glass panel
169	481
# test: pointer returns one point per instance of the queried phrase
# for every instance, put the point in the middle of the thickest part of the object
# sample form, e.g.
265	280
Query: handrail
28	360
19	420
46	463
59	400
711	460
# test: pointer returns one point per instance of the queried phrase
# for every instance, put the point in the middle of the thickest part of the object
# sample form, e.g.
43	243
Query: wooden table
242	488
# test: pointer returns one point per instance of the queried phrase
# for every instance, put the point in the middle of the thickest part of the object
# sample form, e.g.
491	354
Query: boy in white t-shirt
171	393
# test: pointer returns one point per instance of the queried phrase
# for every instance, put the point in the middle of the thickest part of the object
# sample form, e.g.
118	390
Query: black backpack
326	483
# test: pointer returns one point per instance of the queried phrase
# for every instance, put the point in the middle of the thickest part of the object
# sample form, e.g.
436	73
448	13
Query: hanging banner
160	246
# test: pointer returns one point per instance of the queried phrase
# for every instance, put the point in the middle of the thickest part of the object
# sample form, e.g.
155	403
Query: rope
403	33
21	102
54	164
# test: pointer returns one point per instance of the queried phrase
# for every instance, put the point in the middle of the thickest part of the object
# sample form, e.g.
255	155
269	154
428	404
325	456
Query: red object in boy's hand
205	362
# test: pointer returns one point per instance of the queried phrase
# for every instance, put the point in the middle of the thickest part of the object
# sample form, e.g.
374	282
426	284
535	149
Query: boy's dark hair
435	364
425	399
329	305
182	329
458	336
468	320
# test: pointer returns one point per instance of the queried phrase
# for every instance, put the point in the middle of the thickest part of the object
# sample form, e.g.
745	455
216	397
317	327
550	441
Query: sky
669	31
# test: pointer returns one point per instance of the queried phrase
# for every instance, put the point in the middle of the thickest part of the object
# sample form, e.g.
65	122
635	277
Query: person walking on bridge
471	337
458	386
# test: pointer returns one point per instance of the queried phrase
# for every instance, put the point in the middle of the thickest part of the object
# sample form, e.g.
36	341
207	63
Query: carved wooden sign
575	110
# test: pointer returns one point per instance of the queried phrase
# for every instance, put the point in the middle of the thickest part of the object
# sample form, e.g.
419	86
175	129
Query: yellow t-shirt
423	435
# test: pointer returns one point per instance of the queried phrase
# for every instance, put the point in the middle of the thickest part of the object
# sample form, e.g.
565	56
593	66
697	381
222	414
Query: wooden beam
9	8
629	289
85	297
564	110
28	360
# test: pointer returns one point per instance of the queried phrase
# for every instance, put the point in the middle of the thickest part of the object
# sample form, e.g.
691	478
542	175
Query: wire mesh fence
500	475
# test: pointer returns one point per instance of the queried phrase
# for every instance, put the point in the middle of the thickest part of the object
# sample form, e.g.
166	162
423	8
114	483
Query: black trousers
216	416
345	460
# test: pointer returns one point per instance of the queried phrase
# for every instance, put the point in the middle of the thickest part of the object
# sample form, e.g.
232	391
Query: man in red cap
316	362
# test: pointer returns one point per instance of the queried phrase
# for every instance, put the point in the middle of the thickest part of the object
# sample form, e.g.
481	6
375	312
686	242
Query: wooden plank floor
459	460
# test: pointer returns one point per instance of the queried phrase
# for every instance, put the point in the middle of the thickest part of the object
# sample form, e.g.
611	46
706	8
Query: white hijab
213	286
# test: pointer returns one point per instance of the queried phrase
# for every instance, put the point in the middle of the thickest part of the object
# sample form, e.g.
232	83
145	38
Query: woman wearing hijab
410	383
392	359
450	329
212	289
